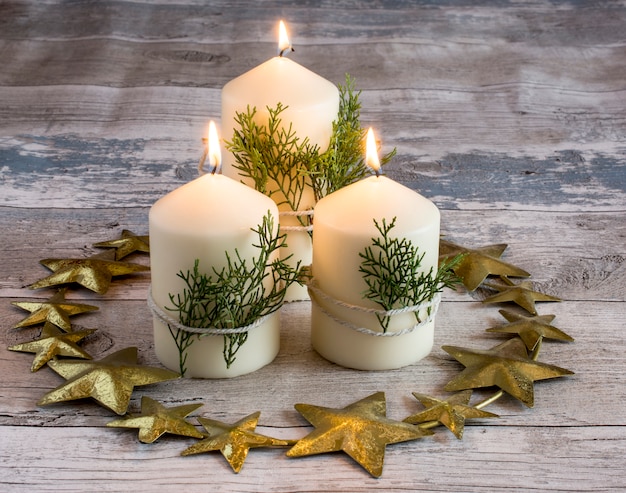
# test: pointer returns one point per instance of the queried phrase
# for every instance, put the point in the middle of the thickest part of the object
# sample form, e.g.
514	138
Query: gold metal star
506	366
53	342
127	244
94	273
110	381
233	440
156	420
56	310
361	430
530	329
478	263
522	294
451	413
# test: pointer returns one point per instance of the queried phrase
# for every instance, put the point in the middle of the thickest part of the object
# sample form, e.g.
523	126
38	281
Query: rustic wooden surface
510	116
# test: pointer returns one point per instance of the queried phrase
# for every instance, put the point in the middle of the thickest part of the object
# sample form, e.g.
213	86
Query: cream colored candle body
202	220
344	227
312	104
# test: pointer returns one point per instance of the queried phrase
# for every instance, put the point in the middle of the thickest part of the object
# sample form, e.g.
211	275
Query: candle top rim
277	74
375	197
214	199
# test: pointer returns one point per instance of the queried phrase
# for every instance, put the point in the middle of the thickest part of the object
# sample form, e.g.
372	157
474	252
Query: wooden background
509	115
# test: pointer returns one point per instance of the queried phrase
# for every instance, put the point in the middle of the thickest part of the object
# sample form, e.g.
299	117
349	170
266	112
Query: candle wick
282	52
201	170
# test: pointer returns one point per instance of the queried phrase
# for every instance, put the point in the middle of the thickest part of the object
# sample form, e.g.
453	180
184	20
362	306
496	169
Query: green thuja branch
281	165
235	296
182	340
272	156
343	162
391	269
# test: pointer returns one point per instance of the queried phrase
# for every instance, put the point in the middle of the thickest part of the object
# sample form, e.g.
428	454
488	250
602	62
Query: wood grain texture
417	467
510	116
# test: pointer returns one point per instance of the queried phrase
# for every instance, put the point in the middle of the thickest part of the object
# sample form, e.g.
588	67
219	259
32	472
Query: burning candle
344	227
312	104
202	220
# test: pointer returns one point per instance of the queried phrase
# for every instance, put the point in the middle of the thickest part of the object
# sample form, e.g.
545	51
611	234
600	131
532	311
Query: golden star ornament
94	273
127	244
155	420
110	381
54	342
233	440
506	366
521	294
56	310
531	329
451	412
478	263
361	430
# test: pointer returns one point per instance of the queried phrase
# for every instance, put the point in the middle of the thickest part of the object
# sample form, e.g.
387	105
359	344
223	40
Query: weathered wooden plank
576	256
524	460
72	171
583	23
478	68
162	127
562	174
89	112
516	95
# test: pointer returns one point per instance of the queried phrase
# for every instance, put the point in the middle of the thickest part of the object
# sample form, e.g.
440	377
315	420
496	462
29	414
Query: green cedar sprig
235	296
343	162
391	268
274	153
273	157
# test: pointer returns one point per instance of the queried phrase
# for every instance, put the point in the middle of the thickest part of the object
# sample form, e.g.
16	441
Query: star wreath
361	429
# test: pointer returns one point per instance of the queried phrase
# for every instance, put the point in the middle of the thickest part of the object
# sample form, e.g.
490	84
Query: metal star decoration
233	440
155	420
53	342
506	366
451	413
110	381
522	294
361	430
127	244
531	329
478	263
56	310
94	273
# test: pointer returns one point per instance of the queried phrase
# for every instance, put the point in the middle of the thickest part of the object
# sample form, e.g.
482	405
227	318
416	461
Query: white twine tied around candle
432	306
201	331
308	212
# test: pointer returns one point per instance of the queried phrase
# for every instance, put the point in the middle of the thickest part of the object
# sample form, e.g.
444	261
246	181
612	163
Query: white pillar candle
344	227
202	220
312	105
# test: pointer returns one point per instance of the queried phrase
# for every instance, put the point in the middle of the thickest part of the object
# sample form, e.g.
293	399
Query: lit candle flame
371	153
283	40
214	153
211	150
